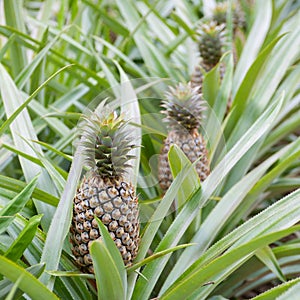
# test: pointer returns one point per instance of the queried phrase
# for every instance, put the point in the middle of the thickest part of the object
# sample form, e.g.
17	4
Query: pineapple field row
150	149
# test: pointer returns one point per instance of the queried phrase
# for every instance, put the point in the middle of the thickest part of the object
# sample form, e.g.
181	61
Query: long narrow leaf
130	109
6	285
115	255
191	283
153	270
279	291
16	204
109	282
29	284
16	249
15	185
155	256
178	161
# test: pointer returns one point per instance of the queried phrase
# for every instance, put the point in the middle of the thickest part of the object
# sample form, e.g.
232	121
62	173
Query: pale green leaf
267	257
29	284
190	283
16	204
178	161
109	282
115	254
16	249
130	109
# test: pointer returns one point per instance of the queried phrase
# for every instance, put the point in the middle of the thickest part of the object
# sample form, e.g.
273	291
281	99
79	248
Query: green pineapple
183	107
210	44
104	192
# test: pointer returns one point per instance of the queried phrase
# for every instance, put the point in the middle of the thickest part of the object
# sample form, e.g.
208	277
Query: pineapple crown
183	106
210	42
106	144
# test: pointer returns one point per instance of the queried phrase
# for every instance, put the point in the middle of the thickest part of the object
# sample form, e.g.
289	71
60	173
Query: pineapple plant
183	106
104	192
210	45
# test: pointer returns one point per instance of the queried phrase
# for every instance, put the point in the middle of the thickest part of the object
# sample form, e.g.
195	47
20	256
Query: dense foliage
231	236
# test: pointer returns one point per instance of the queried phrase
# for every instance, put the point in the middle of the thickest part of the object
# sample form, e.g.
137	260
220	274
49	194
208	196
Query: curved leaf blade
108	279
29	284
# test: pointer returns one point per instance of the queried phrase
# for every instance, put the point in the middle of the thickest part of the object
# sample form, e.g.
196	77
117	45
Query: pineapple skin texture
114	202
193	145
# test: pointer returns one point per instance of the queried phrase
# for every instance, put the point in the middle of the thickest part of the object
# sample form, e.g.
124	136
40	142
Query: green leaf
29	284
225	208
115	254
156	256
15	251
14	289
291	293
278	291
266	256
14	106
15	185
152	271
18	152
276	217
154	223
211	85
71	274
56	151
108	19
108	279
241	96
8	44
131	111
178	161
289	155
57	178
190	283
259	30
137	69
6	285
16	204
13	116
15	18
25	74
213	127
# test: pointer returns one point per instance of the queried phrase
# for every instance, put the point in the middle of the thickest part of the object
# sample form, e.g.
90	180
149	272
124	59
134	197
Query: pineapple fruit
183	108
210	44
104	191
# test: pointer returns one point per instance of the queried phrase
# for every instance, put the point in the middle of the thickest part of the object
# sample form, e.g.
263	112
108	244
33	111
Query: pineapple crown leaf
106	144
183	106
210	29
